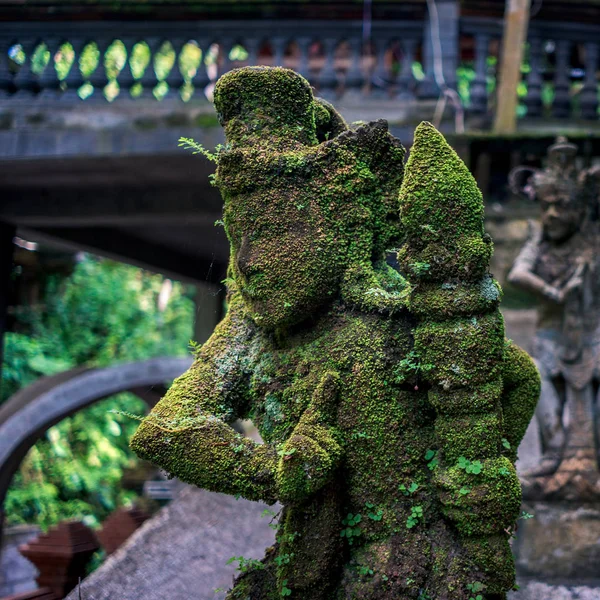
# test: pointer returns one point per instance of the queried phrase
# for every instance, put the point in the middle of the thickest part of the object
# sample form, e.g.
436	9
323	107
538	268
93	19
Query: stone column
561	107
533	101
589	93
479	96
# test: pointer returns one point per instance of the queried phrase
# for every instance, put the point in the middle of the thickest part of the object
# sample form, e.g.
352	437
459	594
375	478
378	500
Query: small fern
197	148
124	413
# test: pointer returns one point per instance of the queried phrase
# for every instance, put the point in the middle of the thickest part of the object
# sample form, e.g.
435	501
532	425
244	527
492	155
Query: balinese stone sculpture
391	405
561	263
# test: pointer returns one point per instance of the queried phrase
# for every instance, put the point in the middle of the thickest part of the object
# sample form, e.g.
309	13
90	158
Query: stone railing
127	60
560	74
180	61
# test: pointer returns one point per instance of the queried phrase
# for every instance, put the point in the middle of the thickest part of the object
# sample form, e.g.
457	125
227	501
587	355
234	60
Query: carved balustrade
120	61
179	61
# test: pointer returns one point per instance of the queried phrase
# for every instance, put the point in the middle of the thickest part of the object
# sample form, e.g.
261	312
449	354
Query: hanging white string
446	93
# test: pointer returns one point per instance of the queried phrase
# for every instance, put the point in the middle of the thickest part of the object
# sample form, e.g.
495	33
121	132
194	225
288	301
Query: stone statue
390	404
560	262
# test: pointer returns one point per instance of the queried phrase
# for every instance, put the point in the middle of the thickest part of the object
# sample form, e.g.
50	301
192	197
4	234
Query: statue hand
554	294
484	503
313	450
559	295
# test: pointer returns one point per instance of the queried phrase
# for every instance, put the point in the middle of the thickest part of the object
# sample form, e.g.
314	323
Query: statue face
283	258
561	214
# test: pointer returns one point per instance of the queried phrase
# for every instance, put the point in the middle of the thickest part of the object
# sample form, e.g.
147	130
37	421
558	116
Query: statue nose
243	256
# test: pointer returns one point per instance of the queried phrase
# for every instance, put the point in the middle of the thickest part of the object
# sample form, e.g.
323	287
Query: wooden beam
129	249
65	207
516	21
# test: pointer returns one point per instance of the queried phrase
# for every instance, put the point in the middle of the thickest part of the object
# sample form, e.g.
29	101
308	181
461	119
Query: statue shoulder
534	231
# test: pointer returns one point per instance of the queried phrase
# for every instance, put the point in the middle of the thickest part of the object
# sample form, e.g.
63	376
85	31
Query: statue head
304	200
557	190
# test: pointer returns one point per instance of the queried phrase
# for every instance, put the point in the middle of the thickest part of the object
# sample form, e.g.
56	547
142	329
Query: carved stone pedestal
119	526
61	556
561	543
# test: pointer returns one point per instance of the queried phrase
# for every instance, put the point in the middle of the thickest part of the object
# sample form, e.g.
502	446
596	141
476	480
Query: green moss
364	382
460	337
492	503
442	212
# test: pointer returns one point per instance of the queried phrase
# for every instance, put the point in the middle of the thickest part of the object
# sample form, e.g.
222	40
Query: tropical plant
103	313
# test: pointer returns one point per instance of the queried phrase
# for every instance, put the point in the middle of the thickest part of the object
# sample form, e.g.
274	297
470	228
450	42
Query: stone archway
30	412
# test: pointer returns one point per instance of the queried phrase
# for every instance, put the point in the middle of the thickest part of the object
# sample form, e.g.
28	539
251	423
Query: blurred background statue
560	263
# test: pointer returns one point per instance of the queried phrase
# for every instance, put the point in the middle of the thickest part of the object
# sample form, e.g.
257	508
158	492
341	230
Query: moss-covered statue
391	405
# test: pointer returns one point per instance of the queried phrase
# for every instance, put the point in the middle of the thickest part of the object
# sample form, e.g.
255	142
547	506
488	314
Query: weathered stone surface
559	263
182	552
541	591
17	574
390	403
561	541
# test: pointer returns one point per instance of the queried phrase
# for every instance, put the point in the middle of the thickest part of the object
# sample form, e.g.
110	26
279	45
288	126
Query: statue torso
568	336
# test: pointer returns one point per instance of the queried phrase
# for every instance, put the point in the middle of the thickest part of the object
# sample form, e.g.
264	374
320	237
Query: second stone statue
389	402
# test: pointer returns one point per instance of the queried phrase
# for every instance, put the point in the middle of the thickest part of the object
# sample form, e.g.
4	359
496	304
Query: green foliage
416	515
246	564
104	313
475	587
375	516
285	591
283	559
410	367
411	489
473	467
432	459
197	148
351	531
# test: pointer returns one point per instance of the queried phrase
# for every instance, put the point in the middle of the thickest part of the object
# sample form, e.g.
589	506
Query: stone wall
17	574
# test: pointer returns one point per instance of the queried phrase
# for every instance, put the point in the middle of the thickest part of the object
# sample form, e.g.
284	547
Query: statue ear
520	182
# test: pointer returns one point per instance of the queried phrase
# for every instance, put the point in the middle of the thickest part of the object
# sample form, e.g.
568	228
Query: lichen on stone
386	399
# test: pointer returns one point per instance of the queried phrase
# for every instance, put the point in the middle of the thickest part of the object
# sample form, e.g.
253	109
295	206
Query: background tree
103	313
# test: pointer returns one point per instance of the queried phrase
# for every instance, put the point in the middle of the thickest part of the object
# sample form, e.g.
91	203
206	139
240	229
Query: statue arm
523	273
188	433
519	397
314	449
459	339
